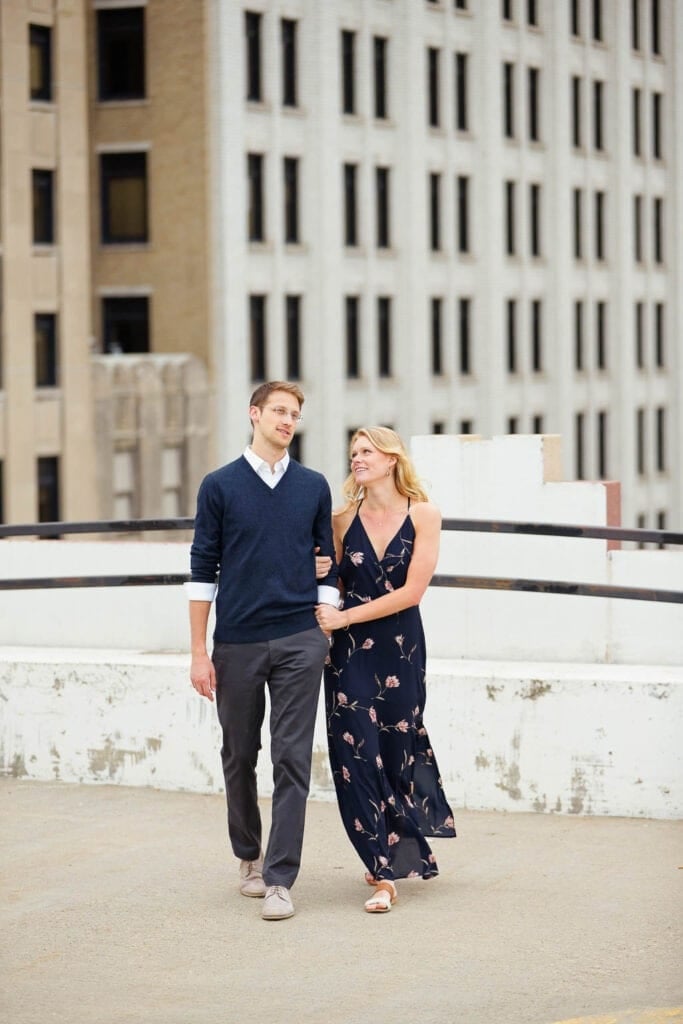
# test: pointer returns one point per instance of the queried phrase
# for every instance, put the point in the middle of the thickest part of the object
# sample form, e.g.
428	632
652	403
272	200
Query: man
259	522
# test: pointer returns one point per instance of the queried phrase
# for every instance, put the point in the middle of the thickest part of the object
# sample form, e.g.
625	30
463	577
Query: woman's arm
427	522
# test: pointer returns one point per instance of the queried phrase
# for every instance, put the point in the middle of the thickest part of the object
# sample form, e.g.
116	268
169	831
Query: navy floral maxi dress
386	776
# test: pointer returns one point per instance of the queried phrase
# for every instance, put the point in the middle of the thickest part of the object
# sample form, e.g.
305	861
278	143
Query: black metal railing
567	587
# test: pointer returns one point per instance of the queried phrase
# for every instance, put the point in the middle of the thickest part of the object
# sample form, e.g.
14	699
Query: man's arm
328	592
202	672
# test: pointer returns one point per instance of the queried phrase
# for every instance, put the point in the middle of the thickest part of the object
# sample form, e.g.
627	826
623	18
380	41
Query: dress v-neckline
389	543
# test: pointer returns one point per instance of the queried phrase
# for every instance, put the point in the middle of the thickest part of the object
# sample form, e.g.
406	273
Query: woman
386	777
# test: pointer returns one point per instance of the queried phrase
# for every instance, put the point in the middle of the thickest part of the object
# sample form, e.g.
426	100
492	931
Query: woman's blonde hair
388	442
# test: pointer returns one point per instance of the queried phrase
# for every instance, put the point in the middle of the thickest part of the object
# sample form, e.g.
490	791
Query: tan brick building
103	181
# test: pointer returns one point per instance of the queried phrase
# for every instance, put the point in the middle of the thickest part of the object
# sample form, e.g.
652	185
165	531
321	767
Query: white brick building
458	216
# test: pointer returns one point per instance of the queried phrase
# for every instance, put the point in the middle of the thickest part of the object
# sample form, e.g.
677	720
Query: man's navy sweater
261	542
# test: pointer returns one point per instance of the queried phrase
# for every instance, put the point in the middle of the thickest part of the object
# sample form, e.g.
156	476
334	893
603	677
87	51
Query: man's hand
323	564
203	675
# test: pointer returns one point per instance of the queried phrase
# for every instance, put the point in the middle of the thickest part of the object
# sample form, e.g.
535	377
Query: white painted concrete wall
546	737
502	478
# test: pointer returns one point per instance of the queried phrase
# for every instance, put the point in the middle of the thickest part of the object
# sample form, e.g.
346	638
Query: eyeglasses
281	412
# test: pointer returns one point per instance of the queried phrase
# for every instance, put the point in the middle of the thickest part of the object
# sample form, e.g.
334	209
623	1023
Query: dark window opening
40	62
293	336
257	336
43	207
124	198
126	324
45	334
121	53
252	31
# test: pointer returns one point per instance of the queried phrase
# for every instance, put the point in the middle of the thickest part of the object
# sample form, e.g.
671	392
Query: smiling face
368	463
275	423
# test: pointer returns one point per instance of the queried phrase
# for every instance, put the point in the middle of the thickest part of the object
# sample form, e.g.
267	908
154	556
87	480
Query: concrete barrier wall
554	738
505	478
536	702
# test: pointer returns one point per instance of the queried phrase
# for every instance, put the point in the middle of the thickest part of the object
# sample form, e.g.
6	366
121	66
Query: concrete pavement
120	906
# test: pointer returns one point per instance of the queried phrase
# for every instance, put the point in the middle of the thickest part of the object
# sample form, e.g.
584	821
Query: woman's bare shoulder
425	513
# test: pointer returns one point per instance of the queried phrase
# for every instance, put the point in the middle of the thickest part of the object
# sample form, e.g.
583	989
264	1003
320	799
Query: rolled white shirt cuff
200	591
328	595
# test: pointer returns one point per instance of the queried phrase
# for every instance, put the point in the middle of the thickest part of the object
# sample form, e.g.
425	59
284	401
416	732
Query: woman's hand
331	618
323	564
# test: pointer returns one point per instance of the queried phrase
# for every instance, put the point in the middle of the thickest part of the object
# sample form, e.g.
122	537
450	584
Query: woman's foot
380	902
370	878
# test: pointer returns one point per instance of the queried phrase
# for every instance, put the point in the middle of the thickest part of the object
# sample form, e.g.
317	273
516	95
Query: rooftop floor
121	907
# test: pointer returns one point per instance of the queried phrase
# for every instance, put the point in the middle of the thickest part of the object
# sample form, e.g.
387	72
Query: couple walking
283	615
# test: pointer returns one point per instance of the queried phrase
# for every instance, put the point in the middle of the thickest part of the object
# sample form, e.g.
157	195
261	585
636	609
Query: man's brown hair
264	391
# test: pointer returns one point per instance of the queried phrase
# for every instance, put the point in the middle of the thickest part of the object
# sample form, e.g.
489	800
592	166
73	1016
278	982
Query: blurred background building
450	216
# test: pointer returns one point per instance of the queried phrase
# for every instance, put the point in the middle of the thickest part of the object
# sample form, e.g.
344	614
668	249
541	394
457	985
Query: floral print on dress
387	780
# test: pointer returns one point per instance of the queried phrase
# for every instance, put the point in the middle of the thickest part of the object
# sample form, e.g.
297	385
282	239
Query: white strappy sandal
384	895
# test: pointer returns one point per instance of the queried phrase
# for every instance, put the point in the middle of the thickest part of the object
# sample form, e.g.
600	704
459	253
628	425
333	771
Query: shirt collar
260	465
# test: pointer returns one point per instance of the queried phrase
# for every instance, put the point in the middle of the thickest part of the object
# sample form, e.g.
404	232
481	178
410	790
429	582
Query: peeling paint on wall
509	778
536	688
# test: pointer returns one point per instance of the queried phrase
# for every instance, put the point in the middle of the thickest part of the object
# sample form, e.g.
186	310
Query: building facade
459	216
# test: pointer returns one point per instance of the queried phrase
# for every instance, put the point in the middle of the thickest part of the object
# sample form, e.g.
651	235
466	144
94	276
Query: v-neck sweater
260	542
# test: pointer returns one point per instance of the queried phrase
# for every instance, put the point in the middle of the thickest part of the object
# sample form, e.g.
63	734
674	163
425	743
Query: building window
536	336
598	115
256	212
597	21
45	334
600	226
660	449
466	427
579	445
48	489
123	178
40	62
121	54
578	336
382	199
636	120
602	445
531	12
511	331
577	203
126	324
433	114
512	425
437	340
252	32
537	424
293	336
635	24
654	28
461	5
660	340
257	336
348	60
658	230
463	207
352	310
43	207
464	336
506	10
535	219
657	125
533	81
461	92
638	228
291	196
288	33
576	112
379	48
640	442
639	331
350	204
384	336
510	243
438	427
574	18
601	335
509	100
435	212
296	447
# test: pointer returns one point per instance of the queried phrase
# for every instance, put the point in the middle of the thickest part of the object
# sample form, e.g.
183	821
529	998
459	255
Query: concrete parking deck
120	907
